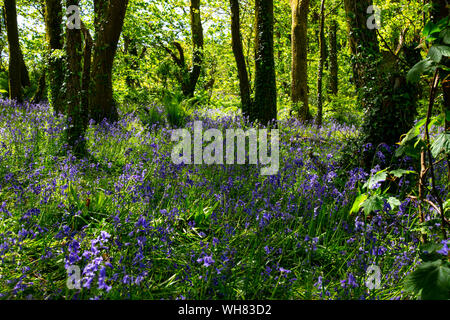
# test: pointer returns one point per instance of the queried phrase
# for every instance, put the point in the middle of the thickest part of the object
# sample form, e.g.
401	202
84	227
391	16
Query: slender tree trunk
15	54
197	43
74	112
321	63
244	83
86	76
131	60
188	78
265	81
334	81
54	34
299	76
109	17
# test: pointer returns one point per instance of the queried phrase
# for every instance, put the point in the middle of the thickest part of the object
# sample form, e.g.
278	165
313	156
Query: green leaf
428	251
435	54
444	50
447	205
414	132
419	69
441	144
394	202
372	204
401	172
358	202
445	35
412	144
431	280
378	177
430	29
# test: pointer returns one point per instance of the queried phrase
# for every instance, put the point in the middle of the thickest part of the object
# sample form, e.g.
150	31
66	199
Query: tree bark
39	94
54	31
265	80
15	54
299	76
109	17
388	101
73	82
197	43
188	78
86	76
334	81
24	75
236	40
363	41
132	58
321	63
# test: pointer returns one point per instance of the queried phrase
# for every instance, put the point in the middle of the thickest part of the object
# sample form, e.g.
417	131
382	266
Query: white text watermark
213	153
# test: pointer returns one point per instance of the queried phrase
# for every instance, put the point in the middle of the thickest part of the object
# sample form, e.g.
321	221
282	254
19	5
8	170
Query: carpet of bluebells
140	227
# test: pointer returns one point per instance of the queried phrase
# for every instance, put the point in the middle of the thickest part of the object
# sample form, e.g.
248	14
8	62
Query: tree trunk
86	76
54	31
236	40
132	61
109	17
321	63
15	54
188	78
24	75
39	94
197	42
334	81
389	102
265	81
74	111
363	41
299	76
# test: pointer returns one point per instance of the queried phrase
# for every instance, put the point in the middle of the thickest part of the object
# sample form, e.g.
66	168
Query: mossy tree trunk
73	83
363	41
265	104
54	34
389	102
299	76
